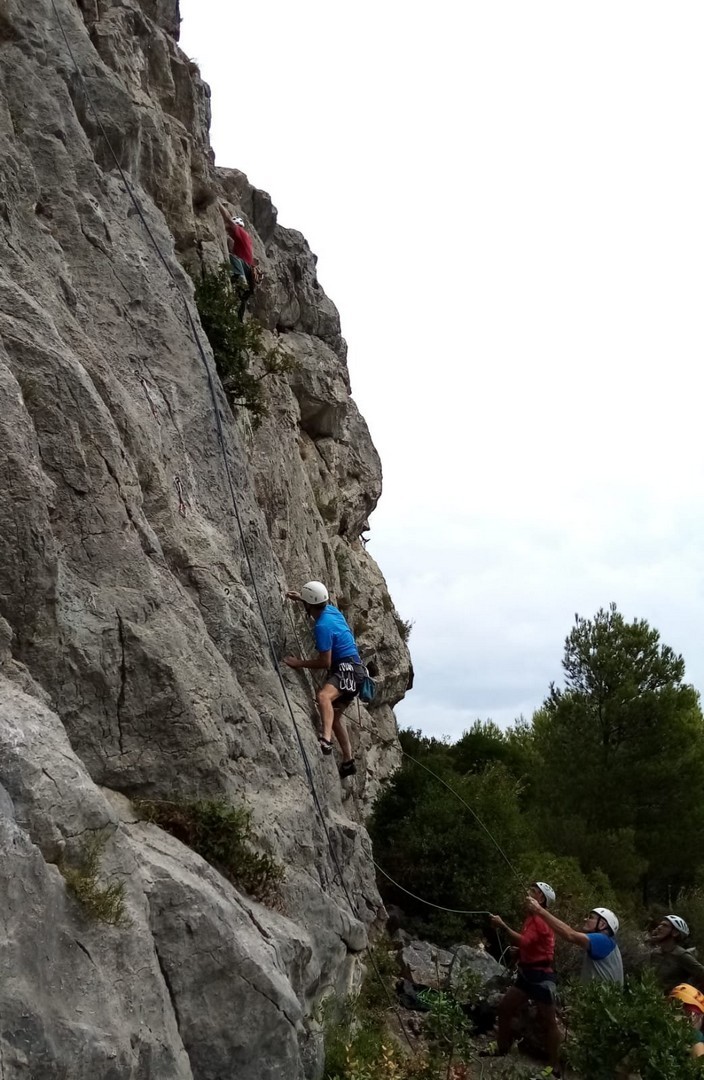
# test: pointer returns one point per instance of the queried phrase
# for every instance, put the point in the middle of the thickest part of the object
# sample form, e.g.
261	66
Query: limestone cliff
133	657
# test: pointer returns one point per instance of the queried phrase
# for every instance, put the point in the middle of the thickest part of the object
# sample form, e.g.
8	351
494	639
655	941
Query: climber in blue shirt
339	656
602	957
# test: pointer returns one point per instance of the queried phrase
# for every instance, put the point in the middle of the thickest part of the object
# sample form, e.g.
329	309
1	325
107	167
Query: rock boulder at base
442	969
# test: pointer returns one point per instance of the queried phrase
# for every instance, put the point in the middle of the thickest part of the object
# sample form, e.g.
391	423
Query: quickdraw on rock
182	508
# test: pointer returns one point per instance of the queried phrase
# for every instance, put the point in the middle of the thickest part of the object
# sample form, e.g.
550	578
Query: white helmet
609	918
314	592
547	891
239	221
679	924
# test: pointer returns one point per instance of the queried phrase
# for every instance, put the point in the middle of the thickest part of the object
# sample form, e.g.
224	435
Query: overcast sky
507	202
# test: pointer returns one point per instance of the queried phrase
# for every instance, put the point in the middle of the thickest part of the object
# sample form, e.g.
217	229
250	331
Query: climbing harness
235	505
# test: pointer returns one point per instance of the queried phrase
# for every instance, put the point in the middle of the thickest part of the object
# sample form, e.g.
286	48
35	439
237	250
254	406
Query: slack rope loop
439	907
474	814
449	787
235	505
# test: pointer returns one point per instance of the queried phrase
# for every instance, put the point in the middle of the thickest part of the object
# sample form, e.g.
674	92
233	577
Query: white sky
507	202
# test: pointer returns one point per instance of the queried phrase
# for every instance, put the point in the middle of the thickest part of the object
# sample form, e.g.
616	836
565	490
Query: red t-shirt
537	946
241	243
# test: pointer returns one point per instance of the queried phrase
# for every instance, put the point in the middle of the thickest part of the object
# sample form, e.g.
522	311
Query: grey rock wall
133	657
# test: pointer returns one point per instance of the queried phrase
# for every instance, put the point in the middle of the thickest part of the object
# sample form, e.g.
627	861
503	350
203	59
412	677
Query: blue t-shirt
600	945
602	960
332	632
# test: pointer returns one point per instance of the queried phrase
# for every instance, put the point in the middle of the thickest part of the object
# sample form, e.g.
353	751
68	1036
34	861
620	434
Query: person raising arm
339	656
602	956
536	977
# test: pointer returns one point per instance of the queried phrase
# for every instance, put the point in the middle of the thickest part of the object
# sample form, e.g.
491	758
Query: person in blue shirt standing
602	956
339	656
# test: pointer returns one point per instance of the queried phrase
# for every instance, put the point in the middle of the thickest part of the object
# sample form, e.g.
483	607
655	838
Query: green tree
434	847
620	749
485	744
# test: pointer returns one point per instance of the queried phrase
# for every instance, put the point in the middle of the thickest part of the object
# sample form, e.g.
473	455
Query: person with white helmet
239	246
671	961
602	956
536	979
339	656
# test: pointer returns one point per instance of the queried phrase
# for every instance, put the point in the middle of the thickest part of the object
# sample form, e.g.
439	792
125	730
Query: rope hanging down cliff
223	449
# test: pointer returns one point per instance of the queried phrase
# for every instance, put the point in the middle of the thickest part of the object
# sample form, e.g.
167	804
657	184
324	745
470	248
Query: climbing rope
233	496
439	907
457	795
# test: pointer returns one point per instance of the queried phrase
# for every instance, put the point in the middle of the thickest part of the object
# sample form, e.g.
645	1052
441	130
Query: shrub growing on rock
221	834
105	903
237	344
404	627
357	1041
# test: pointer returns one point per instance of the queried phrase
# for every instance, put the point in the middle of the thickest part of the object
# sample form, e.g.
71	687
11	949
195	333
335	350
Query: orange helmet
688	995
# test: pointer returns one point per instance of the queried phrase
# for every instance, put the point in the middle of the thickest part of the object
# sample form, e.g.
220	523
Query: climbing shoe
325	745
347	768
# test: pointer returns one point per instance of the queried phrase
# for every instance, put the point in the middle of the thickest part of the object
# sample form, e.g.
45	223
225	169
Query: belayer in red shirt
536	976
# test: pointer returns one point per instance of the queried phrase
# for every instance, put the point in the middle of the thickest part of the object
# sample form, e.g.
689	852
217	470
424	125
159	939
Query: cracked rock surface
133	656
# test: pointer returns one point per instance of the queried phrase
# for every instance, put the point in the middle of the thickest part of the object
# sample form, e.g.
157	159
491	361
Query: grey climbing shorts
347	676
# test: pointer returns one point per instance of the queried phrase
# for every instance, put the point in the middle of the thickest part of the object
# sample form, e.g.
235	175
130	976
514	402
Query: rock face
427	965
133	655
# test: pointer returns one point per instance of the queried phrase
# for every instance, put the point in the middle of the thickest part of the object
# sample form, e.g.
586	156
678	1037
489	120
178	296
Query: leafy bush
619	1031
381	973
355	1039
358	1043
484	744
446	1025
103	903
387	1064
354	1054
221	834
236	344
404	627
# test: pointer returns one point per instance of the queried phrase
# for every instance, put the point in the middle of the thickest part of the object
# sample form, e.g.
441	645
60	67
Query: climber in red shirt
241	240
536	976
239	245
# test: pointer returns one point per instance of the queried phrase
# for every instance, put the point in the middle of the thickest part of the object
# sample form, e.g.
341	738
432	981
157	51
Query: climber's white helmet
679	924
314	592
547	891
609	918
239	221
